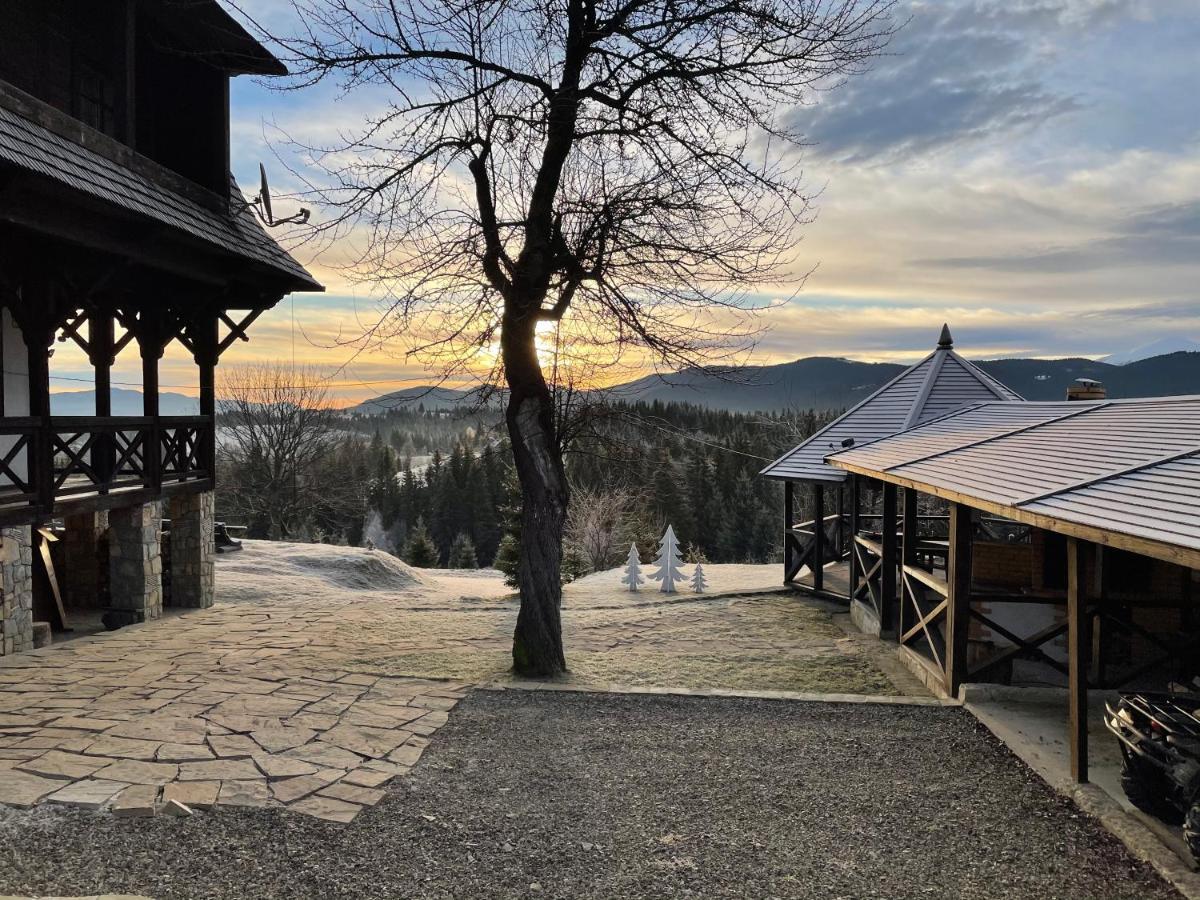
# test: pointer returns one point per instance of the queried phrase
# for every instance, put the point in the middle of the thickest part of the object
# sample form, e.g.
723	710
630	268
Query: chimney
1086	389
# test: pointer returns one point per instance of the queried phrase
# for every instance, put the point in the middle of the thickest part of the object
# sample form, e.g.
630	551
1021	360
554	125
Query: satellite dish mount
262	205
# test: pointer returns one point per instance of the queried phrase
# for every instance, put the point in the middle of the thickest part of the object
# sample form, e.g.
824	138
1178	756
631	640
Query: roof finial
945	342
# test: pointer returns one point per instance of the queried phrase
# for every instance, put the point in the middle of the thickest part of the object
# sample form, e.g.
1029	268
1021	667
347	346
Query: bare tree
277	429
629	166
597	525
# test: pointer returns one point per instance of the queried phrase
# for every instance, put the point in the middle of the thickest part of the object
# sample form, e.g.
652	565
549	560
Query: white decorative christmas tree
633	569
667	562
699	584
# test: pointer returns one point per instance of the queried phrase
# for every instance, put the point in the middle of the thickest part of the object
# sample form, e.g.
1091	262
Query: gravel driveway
571	795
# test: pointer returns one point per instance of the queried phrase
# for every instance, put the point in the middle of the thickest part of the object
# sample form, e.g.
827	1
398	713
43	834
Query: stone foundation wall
192	549
135	563
16	590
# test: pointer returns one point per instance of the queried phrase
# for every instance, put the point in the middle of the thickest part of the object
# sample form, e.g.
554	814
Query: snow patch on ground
605	588
273	568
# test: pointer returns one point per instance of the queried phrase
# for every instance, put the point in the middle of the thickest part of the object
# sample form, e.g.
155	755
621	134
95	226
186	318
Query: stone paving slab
239	705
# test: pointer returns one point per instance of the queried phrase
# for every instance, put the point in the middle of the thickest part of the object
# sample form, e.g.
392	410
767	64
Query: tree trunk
537	641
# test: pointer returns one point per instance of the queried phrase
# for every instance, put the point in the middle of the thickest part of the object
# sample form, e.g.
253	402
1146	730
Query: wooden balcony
58	465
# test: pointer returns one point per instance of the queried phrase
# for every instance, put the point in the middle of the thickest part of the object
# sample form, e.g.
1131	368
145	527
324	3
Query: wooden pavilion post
818	554
888	562
908	554
789	522
855	504
1077	644
958	596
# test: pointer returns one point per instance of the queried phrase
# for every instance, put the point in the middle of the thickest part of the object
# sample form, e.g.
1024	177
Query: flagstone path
239	705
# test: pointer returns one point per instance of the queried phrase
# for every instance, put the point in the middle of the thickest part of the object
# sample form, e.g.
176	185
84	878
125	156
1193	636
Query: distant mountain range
817	382
124	403
1160	347
827	383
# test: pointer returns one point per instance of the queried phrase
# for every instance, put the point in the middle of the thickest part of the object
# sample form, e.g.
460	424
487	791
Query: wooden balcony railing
51	465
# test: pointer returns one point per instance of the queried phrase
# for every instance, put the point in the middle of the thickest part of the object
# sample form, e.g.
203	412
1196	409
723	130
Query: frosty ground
745	633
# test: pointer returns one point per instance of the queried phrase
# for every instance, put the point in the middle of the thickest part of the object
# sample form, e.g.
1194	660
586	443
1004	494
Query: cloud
1156	236
958	72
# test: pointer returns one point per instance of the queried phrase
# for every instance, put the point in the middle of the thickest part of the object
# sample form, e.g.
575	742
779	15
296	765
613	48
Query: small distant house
121	230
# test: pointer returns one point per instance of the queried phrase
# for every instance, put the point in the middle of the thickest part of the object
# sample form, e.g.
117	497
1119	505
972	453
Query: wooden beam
1077	661
958	595
855	504
789	520
889	620
1172	553
818	556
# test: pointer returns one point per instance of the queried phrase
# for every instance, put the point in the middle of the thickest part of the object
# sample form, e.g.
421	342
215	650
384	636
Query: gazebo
940	383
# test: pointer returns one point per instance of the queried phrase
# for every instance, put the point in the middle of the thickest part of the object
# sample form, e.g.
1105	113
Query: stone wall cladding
135	563
192	549
16	590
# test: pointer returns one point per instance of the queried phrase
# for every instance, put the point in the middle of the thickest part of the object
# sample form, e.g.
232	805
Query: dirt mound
362	570
312	569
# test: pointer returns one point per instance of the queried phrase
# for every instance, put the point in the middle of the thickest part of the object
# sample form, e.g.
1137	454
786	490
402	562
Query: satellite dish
264	195
263	204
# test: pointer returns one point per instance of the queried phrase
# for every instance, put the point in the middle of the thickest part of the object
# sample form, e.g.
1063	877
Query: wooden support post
1077	661
789	522
958	595
102	356
841	521
100	342
37	324
910	529
887	568
206	355
151	344
818	555
855	502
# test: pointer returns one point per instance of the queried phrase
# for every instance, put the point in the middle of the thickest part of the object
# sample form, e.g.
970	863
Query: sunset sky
1027	170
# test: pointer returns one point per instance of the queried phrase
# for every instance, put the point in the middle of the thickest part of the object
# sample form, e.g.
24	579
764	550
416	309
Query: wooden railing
49	465
800	544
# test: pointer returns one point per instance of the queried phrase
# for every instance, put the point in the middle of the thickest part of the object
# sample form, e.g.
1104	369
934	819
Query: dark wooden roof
940	383
31	146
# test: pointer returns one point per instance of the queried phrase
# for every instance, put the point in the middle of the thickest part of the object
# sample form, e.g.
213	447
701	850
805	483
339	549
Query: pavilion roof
940	383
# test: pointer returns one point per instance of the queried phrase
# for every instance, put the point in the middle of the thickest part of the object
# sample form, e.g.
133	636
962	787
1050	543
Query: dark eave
202	29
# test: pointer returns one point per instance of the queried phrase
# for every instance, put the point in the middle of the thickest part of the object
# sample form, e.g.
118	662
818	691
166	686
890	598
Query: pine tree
508	559
419	549
462	553
699	583
667	562
633	569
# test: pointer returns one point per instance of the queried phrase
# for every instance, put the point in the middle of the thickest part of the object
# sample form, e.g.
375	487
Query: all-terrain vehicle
1160	744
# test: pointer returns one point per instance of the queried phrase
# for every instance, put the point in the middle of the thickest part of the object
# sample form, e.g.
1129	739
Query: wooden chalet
121	230
940	383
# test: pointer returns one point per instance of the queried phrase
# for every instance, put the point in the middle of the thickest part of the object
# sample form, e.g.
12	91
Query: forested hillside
437	487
